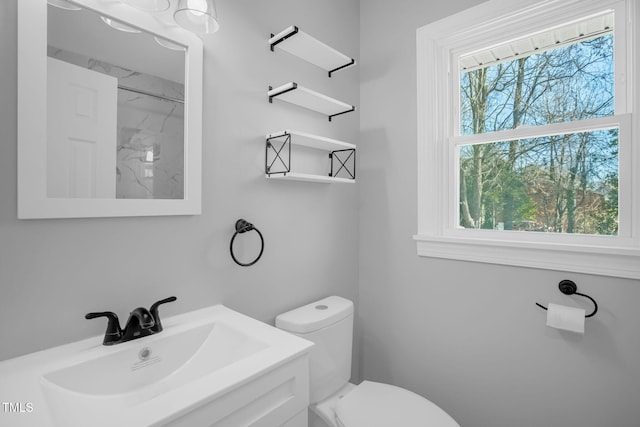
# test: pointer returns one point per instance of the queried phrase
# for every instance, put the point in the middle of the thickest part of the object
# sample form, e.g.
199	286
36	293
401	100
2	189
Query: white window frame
438	79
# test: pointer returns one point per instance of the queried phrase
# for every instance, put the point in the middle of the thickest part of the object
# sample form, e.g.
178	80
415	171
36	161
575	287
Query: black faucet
138	325
157	327
141	323
114	333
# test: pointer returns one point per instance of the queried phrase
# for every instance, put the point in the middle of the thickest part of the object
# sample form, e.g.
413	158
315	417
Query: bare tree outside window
566	183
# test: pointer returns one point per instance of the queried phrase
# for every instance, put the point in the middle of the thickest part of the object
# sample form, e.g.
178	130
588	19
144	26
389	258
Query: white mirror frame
32	119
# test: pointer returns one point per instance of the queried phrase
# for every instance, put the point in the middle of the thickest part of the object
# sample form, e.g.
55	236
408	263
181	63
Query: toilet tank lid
316	315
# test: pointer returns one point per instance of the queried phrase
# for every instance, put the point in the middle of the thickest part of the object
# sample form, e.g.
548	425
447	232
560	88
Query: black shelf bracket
353	61
294	87
353	108
350	154
270	147
283	38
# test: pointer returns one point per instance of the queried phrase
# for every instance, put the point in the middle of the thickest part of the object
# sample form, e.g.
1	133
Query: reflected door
82	132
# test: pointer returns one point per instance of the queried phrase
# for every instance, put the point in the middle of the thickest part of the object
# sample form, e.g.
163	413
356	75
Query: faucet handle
113	333
154	312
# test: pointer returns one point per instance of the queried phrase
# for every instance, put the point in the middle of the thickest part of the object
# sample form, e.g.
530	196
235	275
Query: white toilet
334	401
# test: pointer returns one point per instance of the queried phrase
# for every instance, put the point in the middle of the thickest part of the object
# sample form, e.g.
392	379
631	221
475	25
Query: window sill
616	262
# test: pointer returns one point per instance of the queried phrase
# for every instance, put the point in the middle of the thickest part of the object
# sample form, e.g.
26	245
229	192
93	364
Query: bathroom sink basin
213	361
166	362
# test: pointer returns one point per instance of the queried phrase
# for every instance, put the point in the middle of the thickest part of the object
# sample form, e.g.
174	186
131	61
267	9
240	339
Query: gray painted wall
52	272
468	336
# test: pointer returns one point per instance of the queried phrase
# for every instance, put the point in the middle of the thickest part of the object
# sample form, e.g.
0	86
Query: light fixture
64	4
198	16
149	5
119	25
168	44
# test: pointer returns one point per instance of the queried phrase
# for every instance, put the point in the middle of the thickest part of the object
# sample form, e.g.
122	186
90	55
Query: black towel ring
243	226
568	287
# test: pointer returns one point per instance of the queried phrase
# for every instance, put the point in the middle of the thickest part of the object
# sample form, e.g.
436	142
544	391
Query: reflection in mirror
115	109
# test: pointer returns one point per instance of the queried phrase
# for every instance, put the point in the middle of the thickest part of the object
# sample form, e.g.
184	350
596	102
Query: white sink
188	368
168	361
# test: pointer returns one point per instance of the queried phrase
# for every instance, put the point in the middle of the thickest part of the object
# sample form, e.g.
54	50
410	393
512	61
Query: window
561	183
526	154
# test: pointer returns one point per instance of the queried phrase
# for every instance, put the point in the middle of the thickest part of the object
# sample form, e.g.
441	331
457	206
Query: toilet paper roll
566	318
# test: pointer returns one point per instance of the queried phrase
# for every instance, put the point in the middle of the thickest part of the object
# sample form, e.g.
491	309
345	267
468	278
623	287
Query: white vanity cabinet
211	367
277	398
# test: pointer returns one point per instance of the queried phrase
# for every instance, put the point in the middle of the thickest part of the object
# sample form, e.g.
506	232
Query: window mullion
523	132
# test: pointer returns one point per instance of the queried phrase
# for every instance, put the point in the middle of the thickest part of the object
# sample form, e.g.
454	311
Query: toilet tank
329	324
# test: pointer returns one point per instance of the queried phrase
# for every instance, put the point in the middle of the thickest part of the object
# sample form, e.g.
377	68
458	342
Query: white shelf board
313	141
295	94
295	176
310	49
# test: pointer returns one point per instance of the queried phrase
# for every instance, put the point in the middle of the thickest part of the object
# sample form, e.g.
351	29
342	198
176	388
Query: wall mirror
109	112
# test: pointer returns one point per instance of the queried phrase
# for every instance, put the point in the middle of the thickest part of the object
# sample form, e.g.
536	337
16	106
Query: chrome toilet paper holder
568	287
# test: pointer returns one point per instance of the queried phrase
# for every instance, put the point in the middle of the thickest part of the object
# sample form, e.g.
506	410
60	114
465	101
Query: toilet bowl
334	402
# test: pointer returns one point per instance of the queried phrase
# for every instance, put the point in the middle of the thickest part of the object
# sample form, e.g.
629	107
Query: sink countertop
21	377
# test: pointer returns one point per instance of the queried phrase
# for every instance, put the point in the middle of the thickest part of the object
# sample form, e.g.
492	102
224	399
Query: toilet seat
373	404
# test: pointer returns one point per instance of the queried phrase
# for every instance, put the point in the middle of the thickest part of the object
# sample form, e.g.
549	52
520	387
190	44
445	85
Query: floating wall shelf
295	176
313	141
307	47
295	94
342	155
